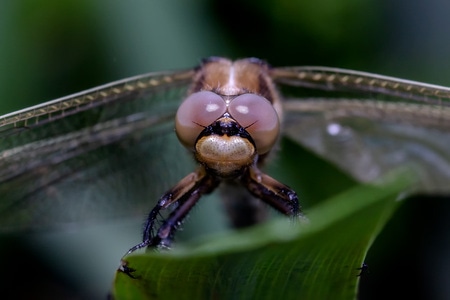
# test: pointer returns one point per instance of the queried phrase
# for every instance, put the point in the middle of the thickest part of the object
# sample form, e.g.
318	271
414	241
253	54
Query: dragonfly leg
269	190
186	202
185	194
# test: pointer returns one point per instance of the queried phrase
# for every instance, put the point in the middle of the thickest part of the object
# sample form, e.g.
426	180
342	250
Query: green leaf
315	258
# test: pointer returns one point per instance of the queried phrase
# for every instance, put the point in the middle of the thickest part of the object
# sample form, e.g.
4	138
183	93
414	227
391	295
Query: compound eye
195	113
257	115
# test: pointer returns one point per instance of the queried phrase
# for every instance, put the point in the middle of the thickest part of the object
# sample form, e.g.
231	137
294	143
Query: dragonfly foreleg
279	196
186	202
185	195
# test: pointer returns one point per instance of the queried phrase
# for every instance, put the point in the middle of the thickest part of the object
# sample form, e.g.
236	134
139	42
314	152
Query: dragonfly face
108	150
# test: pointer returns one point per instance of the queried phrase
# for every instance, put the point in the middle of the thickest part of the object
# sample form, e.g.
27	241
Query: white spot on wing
334	129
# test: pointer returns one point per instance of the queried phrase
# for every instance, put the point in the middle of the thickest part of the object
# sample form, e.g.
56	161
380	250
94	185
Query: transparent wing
369	124
102	153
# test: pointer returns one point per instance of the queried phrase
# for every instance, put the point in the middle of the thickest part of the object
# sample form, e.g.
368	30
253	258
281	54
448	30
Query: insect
230	121
106	151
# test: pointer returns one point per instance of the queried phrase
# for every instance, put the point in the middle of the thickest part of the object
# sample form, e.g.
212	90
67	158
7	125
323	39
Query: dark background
50	49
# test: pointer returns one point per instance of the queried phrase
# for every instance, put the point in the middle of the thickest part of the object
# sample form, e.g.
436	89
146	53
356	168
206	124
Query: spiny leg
185	193
164	236
269	190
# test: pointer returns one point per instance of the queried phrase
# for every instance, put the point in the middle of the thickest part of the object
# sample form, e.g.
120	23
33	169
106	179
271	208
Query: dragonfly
110	150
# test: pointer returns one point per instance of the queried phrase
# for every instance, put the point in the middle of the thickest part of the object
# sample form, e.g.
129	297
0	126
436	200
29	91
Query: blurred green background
53	48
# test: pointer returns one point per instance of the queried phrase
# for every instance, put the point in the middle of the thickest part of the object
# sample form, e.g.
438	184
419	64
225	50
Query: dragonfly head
226	133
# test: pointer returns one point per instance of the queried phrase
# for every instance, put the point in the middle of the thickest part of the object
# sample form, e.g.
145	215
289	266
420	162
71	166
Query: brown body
229	79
